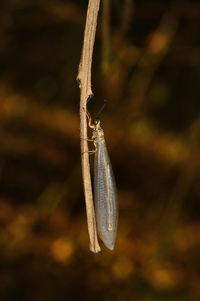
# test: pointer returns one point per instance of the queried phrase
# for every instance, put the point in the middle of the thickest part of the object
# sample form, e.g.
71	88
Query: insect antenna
101	110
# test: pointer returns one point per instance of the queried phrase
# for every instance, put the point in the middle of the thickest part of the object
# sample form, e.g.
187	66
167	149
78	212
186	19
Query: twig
151	59
127	15
84	80
105	48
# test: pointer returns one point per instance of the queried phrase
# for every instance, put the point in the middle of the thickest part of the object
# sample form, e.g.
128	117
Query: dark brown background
147	65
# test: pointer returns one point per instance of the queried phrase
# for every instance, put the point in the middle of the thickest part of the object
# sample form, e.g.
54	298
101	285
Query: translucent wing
105	196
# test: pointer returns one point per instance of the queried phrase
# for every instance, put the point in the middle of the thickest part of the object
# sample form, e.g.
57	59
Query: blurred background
147	65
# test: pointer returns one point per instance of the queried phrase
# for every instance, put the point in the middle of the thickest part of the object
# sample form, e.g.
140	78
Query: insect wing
106	206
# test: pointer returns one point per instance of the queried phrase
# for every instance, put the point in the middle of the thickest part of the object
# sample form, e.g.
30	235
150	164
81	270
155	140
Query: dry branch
84	80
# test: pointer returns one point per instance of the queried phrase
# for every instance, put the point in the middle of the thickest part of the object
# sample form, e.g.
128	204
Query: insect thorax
98	134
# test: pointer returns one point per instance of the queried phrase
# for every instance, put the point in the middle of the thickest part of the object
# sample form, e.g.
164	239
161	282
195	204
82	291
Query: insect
105	195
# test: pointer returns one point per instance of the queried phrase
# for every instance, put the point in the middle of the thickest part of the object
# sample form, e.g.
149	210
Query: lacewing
105	195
